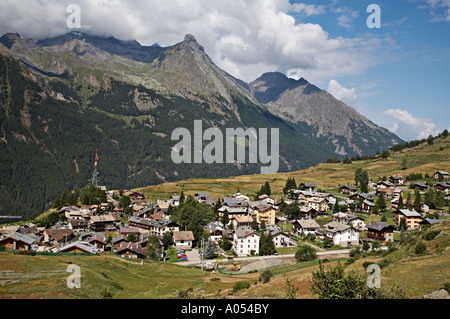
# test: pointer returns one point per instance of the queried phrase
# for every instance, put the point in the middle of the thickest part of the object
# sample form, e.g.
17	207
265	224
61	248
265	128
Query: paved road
197	261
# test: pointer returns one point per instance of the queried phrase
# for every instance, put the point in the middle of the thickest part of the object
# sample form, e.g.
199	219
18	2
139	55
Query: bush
431	235
305	253
25	252
420	249
240	285
266	276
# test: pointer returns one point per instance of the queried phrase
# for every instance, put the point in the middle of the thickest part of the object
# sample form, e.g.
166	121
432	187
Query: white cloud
440	9
416	127
245	38
347	96
346	16
307	9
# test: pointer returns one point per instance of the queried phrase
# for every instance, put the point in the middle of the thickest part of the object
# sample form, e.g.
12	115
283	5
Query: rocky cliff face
338	126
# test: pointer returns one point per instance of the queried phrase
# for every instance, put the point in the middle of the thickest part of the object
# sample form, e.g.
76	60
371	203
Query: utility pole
202	250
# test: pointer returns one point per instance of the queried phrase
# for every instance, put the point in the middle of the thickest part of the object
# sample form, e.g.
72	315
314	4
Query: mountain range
64	97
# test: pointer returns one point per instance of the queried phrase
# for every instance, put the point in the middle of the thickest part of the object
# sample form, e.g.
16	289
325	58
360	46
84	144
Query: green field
425	159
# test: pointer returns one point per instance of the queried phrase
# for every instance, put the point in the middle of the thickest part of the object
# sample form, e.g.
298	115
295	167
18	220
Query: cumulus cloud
245	38
409	125
347	96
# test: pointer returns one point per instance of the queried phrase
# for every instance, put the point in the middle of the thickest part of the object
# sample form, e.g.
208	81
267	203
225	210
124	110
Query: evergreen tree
381	202
210	250
409	204
400	202
417	201
266	244
403	227
430	198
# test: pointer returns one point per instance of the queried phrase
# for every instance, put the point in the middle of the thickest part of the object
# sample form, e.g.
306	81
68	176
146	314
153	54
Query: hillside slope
60	103
334	124
423	159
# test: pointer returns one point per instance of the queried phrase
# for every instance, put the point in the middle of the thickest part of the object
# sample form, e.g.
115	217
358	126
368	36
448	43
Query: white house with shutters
245	242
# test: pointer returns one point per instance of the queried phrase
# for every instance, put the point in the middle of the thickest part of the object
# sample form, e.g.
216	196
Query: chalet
381	231
441	175
362	196
201	197
17	241
78	225
136	196
306	227
153	227
352	220
131	250
102	223
245	242
391	192
183	239
384	185
264	212
241	221
281	239
241	197
331	199
128	230
98	242
317	203
242	210
442	186
215	231
348	189
412	217
308	186
268	200
176	199
423	187
308	212
71	212
143	212
341	234
429	221
119	240
55	236
396	180
79	247
366	206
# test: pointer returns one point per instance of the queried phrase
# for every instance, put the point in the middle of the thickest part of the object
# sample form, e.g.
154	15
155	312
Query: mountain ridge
81	97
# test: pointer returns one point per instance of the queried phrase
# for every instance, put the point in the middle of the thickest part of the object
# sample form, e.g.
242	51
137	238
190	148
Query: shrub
305	253
25	252
266	276
420	249
240	285
431	235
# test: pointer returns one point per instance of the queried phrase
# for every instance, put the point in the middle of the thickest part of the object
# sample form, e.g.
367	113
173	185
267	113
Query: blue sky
412	75
398	75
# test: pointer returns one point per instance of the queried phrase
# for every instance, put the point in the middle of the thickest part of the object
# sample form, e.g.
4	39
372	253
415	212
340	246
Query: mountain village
346	220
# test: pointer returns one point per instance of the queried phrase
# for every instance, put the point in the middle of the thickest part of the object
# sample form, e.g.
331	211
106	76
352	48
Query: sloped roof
20	237
309	223
183	235
408	213
59	234
335	227
84	246
379	226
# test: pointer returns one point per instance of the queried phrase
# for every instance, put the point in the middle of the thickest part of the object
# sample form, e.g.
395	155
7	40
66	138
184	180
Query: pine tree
417	201
210	250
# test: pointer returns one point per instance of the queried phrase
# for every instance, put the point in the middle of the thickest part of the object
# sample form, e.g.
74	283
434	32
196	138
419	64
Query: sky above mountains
397	75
